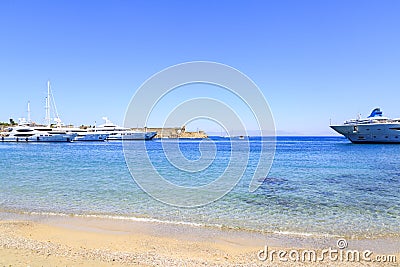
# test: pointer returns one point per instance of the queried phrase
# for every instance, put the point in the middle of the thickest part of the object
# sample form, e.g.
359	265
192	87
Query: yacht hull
39	138
132	136
376	133
91	137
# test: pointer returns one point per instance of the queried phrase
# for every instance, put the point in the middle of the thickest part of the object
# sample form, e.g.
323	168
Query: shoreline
91	241
38	215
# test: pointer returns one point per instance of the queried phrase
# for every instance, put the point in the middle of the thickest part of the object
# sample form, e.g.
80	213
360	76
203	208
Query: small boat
374	129
239	137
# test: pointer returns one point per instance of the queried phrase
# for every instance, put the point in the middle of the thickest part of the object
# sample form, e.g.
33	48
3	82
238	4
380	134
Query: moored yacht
116	132
374	129
80	134
23	133
85	135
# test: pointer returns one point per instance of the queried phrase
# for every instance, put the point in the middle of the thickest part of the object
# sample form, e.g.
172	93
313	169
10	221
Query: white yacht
85	135
23	133
116	132
374	129
80	134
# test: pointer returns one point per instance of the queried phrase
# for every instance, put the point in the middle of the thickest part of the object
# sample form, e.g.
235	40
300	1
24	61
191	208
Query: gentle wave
287	233
178	223
125	218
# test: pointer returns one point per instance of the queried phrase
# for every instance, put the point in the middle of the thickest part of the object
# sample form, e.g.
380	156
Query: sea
317	186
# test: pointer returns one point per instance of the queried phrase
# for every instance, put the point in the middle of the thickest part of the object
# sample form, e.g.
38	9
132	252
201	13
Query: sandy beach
81	241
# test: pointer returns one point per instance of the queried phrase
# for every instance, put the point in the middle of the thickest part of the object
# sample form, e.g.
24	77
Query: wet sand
33	240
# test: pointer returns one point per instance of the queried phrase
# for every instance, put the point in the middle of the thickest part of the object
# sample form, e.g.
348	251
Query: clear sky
313	60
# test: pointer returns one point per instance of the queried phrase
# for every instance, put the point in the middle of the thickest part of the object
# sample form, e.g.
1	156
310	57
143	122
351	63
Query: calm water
317	185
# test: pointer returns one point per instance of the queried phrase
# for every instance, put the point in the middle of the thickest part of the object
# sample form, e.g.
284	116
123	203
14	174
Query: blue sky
313	60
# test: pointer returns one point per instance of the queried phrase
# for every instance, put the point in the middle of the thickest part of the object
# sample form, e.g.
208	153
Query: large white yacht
116	132
85	135
23	133
80	134
374	129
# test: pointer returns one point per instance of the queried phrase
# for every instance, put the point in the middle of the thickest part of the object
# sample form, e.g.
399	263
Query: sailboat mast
29	112
48	120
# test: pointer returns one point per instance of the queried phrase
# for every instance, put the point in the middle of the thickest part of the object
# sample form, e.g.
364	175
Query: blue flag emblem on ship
376	113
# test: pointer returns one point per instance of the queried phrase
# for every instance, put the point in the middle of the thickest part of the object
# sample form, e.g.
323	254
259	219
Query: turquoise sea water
317	185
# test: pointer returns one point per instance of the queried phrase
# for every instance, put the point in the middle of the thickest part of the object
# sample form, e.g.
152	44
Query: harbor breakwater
174	132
